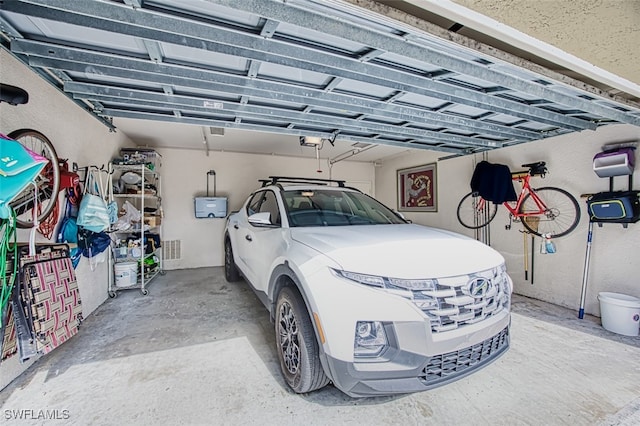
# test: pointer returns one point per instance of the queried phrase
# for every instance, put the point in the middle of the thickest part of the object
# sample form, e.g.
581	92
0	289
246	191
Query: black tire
231	272
562	215
475	212
296	344
48	181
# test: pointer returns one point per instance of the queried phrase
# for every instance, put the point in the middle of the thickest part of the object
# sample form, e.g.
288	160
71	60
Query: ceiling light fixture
314	141
311	141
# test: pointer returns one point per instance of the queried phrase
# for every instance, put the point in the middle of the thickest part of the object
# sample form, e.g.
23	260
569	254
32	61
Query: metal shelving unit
145	194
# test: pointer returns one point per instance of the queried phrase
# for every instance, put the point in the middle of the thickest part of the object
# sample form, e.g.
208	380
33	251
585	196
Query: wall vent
216	131
171	250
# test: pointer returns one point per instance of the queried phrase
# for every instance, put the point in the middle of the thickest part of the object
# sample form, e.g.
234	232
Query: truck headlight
387	282
370	339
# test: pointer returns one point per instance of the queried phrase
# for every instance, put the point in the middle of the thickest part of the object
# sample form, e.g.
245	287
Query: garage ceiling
302	68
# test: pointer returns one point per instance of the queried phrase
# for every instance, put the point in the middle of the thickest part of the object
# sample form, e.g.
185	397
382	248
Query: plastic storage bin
620	313
614	163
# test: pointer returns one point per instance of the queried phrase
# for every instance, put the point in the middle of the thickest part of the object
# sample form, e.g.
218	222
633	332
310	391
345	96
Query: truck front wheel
297	344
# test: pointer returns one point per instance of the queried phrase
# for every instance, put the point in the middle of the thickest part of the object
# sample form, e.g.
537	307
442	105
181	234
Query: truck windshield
325	207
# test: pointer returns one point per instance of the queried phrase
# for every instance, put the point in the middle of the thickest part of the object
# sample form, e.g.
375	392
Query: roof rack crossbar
273	180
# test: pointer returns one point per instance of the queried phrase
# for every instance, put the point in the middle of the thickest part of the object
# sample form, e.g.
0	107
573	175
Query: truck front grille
451	365
448	302
452	304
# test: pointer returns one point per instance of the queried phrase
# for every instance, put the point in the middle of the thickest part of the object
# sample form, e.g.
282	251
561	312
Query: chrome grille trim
447	302
448	307
451	365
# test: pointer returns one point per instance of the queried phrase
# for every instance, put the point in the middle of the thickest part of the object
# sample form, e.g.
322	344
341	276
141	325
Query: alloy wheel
289	340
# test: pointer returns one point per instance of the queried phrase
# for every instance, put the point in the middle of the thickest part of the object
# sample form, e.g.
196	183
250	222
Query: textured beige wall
605	33
237	176
77	136
558	277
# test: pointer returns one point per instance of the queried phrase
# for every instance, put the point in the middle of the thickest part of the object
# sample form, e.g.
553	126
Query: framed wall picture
417	189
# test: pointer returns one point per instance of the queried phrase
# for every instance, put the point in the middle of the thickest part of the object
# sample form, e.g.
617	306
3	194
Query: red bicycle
47	183
44	192
546	211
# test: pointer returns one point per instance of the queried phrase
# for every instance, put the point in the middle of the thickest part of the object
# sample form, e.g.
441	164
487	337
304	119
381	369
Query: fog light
370	339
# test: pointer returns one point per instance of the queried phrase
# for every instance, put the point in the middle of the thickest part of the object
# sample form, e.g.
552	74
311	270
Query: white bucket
126	274
620	313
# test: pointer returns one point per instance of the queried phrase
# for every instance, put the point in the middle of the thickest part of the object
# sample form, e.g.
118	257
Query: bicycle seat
538	168
535	165
13	95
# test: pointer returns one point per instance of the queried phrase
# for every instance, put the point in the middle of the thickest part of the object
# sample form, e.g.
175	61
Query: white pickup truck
362	298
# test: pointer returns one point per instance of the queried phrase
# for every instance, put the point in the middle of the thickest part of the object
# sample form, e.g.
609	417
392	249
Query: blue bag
68	233
92	243
614	207
93	214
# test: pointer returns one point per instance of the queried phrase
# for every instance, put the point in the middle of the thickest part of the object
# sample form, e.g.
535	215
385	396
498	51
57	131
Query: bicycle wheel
561	216
475	212
47	182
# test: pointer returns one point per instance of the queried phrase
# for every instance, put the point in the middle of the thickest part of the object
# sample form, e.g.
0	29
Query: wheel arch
283	276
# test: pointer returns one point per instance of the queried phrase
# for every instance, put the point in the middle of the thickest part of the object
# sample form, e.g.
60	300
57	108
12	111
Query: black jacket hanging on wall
493	182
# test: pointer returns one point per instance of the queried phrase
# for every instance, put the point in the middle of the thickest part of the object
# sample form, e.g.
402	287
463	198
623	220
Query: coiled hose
8	245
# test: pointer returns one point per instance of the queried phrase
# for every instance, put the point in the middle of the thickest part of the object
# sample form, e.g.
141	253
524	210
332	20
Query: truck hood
400	251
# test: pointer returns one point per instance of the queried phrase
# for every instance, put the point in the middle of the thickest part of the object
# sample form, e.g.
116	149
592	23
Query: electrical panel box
210	207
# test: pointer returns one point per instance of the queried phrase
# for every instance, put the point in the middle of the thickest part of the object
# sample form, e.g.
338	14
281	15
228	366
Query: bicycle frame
524	178
514	206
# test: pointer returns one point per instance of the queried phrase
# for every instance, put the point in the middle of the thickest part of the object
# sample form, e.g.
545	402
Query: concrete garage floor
198	350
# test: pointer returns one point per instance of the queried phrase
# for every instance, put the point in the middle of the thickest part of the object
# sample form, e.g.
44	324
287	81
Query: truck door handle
235	226
248	238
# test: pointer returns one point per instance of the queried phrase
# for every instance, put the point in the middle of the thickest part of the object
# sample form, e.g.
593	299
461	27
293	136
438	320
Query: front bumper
418	356
409	372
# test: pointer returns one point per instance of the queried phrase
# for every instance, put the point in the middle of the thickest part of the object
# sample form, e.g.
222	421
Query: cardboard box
152	221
